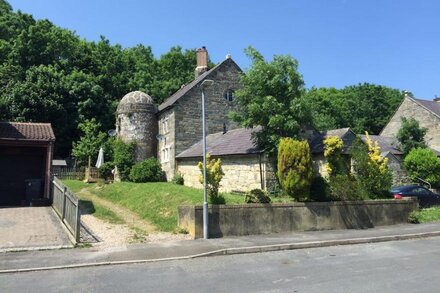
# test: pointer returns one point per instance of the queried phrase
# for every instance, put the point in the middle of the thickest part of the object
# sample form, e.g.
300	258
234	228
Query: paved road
401	266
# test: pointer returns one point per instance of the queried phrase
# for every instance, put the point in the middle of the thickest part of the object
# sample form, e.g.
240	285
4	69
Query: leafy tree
411	135
214	175
295	169
89	143
423	163
271	97
370	170
363	107
123	157
49	74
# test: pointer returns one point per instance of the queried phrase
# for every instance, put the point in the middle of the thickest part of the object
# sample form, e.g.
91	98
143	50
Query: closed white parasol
100	160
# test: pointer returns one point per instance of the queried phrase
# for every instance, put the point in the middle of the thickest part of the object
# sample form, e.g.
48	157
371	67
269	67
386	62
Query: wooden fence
66	205
74	173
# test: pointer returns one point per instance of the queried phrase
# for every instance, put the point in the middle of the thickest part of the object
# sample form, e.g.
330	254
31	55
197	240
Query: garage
26	151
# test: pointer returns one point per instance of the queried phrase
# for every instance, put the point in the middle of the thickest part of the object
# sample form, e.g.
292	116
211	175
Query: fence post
78	223
64	202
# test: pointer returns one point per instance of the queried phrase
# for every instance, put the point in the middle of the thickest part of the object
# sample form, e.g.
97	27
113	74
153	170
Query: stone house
427	113
175	125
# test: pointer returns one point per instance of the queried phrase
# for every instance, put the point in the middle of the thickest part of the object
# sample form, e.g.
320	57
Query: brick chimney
202	61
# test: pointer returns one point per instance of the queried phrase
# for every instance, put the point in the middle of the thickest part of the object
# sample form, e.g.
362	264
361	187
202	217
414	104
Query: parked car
425	196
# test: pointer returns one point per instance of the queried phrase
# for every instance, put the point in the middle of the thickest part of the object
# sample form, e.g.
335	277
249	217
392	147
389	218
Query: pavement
26	261
31	228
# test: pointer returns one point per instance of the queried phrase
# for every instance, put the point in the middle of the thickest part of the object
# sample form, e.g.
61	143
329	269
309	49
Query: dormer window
229	95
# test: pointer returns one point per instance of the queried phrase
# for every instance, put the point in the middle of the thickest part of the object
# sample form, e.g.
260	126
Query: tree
411	135
123	157
423	163
370	170
363	107
271	97
295	169
90	141
214	175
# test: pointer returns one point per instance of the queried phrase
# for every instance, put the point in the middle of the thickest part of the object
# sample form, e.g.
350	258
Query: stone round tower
136	121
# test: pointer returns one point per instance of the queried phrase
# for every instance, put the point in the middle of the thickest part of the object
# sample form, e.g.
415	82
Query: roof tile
26	131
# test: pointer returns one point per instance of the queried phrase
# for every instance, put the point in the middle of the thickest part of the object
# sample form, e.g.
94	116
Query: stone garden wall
248	219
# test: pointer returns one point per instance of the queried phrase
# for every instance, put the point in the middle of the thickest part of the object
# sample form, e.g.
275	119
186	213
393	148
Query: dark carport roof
234	142
20	131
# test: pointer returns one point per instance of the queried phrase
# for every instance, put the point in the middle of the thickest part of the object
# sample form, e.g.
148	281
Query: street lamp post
205	83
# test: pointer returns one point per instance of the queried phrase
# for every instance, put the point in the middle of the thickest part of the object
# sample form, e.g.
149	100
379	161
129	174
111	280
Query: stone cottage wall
188	110
242	173
410	109
167	140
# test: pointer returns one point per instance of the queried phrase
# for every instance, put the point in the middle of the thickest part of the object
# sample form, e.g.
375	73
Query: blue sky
337	42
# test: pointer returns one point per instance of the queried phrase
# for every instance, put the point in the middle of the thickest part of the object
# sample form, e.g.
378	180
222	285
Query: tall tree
271	97
363	107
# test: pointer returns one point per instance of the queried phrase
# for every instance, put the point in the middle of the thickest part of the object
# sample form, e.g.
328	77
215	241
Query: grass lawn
431	214
155	202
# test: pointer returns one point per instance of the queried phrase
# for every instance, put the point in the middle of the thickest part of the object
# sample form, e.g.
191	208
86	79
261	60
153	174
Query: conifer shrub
295	170
149	170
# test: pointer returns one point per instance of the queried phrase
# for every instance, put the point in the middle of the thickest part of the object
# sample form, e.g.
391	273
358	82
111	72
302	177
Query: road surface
400	266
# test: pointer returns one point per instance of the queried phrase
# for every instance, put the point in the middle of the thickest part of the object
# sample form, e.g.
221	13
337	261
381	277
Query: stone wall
242	173
410	109
188	110
236	220
140	127
167	140
400	176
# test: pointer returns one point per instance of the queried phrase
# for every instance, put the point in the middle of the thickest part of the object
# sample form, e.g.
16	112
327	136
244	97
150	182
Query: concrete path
172	250
31	228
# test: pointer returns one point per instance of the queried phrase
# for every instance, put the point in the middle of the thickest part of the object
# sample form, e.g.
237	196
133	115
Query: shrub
123	157
295	168
105	171
344	187
336	164
319	189
178	179
214	175
149	170
256	196
411	135
371	171
424	164
414	217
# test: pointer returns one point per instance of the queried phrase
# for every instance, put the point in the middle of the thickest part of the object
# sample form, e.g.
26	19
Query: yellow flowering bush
214	175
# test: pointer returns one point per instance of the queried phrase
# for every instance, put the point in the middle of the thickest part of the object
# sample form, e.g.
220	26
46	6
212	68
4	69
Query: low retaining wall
248	219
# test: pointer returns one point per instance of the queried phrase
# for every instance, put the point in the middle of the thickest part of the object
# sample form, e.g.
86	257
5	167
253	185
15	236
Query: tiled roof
317	142
234	142
181	92
26	131
432	106
386	144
